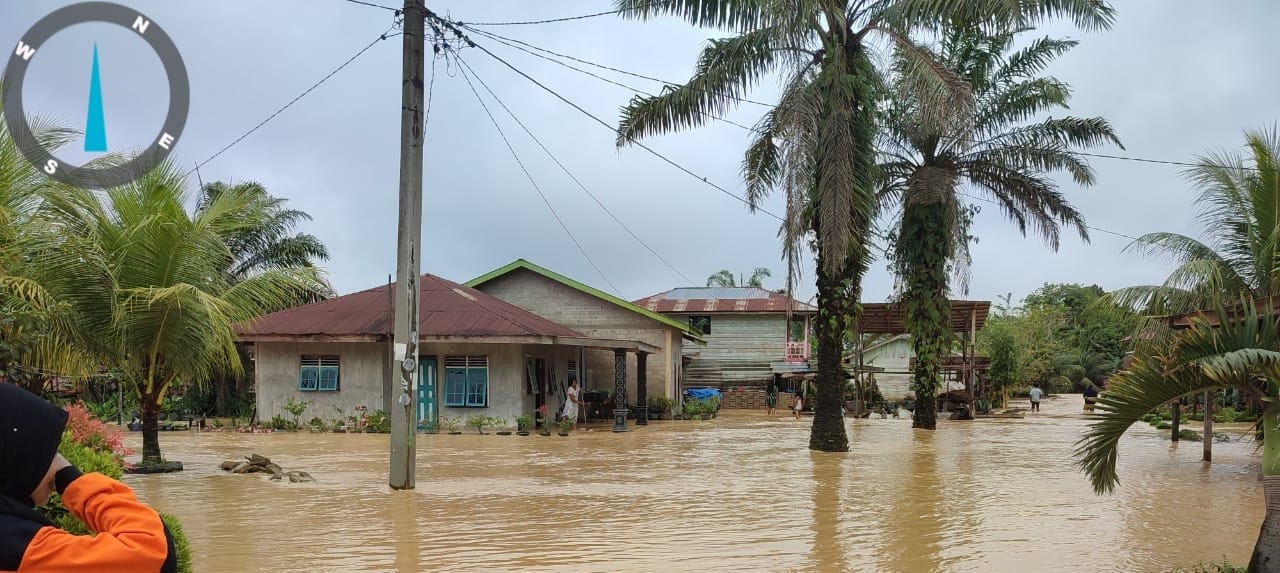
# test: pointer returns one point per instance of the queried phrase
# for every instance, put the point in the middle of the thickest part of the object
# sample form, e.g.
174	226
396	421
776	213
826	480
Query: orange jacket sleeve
130	536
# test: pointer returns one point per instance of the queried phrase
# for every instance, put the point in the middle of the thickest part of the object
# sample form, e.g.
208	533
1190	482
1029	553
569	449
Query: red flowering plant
95	434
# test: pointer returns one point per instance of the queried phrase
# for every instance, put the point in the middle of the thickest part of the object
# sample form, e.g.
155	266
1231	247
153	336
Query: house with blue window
477	355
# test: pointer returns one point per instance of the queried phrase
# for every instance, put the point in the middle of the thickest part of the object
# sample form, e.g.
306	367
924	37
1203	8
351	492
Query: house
477	355
892	360
746	329
595	313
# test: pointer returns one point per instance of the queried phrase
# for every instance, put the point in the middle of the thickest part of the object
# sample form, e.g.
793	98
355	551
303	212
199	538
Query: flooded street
740	493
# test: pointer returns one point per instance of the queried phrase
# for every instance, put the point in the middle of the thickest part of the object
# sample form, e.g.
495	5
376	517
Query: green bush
106	462
379	423
1189	435
1164	425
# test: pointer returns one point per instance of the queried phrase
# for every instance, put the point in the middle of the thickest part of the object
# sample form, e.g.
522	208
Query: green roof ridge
583	288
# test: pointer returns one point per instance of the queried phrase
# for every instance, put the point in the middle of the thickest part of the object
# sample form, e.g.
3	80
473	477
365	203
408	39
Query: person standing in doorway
1036	394
771	393
572	402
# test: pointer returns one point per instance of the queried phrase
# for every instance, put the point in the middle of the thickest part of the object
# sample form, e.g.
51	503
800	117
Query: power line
550	21
505	39
569	173
380	38
449	24
500	40
372	5
467	77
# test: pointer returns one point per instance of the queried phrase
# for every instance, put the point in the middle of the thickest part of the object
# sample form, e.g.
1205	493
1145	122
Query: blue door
428	414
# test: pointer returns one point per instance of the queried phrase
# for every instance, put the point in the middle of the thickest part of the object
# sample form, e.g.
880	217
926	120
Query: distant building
747	334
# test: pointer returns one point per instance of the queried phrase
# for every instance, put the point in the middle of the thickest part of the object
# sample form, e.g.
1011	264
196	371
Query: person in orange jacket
130	536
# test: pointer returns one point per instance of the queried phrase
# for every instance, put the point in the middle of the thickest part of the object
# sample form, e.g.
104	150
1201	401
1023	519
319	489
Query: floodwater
739	493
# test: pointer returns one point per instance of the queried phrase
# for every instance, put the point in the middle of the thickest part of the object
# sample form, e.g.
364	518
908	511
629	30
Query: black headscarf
30	432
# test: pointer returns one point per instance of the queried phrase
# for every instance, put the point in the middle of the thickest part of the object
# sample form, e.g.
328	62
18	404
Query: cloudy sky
1175	77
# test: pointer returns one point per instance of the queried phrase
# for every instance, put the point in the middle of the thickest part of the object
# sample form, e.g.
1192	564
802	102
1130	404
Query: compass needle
95	131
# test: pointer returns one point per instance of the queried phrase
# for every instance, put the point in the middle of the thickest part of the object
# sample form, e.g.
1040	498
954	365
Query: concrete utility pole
408	234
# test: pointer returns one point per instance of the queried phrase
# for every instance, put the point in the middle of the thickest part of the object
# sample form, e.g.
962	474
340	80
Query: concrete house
595	313
477	355
746	329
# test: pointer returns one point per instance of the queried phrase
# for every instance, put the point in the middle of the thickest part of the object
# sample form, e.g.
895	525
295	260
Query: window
319	373
700	323
466	381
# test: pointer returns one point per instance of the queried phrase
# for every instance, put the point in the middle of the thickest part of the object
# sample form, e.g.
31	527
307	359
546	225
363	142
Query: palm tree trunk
828	434
150	405
925	247
1266	552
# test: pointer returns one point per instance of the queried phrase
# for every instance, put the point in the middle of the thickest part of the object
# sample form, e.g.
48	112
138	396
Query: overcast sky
1175	77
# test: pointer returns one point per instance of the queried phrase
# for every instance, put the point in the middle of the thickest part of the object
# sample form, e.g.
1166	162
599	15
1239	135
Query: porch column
620	390
642	414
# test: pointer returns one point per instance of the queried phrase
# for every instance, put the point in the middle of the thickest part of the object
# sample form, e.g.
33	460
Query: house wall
895	358
277	370
596	318
360	373
758	337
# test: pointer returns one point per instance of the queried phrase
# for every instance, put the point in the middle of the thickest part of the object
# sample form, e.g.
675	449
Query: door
428	414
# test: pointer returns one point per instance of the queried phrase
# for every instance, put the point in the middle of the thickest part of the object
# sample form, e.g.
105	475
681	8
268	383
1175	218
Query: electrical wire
505	39
498	39
552	20
449	24
467	77
557	161
372	5
255	128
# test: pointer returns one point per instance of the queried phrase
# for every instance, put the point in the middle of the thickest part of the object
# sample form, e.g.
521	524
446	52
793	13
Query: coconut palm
149	285
33	337
997	151
1080	370
1243	353
269	244
817	144
1239	253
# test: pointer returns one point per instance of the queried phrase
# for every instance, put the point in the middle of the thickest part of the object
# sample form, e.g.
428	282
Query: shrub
1189	435
88	446
1164	426
378	423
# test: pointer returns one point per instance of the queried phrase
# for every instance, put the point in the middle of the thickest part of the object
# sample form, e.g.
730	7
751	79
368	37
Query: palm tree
1243	353
817	144
149	285
1240	252
725	278
269	244
1080	370
995	151
33	340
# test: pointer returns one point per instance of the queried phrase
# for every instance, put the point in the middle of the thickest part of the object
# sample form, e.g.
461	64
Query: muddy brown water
739	493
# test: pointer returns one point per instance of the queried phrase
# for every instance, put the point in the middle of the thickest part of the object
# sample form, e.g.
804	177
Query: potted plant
546	420
478	422
658	405
565	425
500	422
522	425
451	425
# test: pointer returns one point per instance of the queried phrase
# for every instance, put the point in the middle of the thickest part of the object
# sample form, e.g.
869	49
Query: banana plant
1241	352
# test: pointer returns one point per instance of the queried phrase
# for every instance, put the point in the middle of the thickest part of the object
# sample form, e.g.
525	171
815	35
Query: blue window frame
466	381
319	373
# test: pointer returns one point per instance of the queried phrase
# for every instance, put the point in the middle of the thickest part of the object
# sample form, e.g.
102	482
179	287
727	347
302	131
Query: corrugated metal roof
721	299
447	309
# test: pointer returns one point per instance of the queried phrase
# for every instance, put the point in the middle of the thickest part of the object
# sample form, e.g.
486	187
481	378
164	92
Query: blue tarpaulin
702	393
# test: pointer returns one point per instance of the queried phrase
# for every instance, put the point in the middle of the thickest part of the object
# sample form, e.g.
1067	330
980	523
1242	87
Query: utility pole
408	234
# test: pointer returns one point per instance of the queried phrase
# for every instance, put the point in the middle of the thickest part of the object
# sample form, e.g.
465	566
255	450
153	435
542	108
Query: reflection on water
740	493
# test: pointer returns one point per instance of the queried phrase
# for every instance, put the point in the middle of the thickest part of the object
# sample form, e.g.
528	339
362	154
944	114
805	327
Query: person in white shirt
1036	393
572	402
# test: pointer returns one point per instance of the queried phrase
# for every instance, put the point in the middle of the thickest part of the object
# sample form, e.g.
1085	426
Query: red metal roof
699	300
447	309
